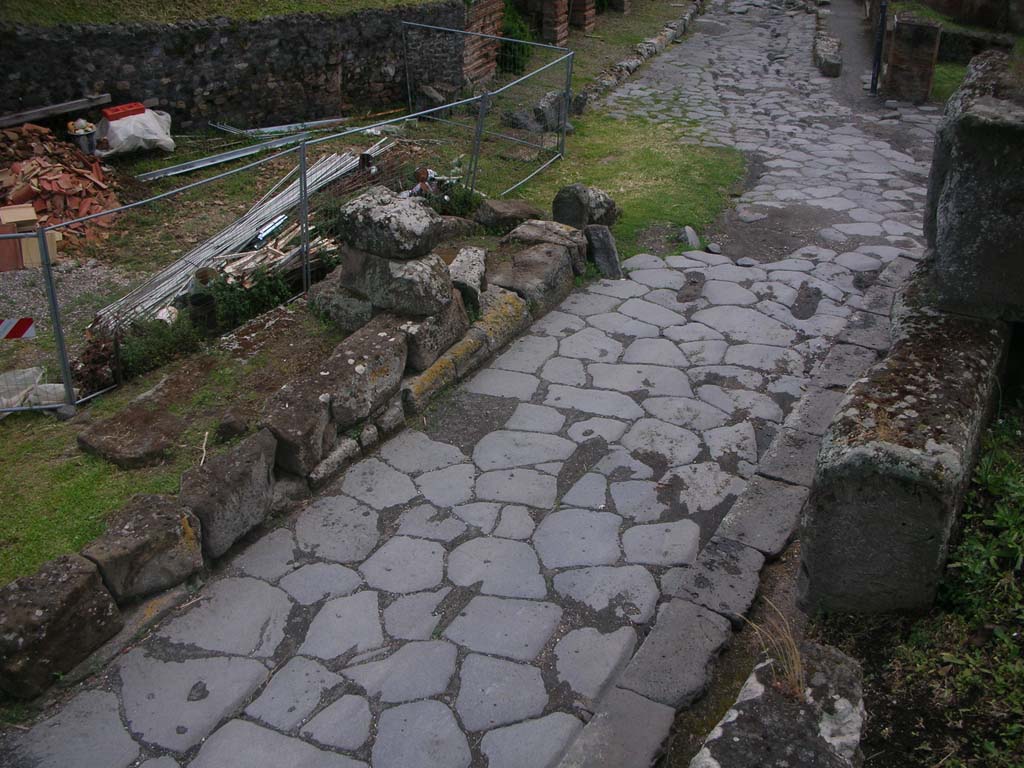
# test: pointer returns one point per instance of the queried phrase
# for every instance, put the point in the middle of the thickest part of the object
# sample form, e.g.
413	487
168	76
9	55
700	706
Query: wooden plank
27	116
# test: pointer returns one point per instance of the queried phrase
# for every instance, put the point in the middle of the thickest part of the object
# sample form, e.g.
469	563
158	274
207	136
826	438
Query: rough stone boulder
152	543
455	227
415	287
601	250
343	307
429	337
364	371
895	463
505	215
976	195
579	205
138	436
541	274
550	111
538	231
770	726
232	493
51	621
299	416
386	225
468	271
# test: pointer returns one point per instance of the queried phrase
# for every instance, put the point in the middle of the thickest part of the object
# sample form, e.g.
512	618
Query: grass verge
948	688
948	78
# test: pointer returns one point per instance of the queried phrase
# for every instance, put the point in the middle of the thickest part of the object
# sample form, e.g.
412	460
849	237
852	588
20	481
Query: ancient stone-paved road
474	592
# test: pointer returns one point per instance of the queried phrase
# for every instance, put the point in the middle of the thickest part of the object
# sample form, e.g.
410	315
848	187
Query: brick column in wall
912	54
555	22
583	14
480	57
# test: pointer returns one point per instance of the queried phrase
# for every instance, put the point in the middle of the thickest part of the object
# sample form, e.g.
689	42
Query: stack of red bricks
555	22
583	14
480	57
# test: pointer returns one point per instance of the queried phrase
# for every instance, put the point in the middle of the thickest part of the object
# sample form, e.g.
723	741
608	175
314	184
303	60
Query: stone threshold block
895	463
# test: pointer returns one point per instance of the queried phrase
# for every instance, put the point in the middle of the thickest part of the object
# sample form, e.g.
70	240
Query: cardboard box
23	218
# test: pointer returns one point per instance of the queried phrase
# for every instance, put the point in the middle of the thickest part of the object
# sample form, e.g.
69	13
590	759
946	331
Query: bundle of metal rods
160	291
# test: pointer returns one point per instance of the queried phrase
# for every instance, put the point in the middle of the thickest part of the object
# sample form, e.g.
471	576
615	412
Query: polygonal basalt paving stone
722	292
495	692
564	370
375	483
738	441
735	274
292	694
588	660
643	261
724	579
677	445
532	743
343	625
337	528
518	486
654	352
424	734
558	324
584	304
240	744
608	430
590	491
536	418
710	352
177	704
86	733
619	464
658	278
312	583
502	566
448	487
646	312
480	514
600	402
516	523
518	629
629	592
663	543
413	452
428	522
765	358
491	381
686	412
746	325
741	402
691	332
412	617
573	537
621	325
405	564
270	558
160	762
638	500
634	377
590	344
240	616
344	724
620	289
702	487
527	354
414	671
504	449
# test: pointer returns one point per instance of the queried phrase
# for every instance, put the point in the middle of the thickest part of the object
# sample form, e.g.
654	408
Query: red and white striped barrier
18	328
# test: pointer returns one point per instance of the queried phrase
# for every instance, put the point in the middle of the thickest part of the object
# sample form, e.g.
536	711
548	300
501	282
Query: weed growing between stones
779	643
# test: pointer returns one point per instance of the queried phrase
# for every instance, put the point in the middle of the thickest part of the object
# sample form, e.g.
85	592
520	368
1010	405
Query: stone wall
245	73
481	54
1000	15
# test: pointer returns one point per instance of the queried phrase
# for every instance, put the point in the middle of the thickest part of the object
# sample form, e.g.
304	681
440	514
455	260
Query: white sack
150	130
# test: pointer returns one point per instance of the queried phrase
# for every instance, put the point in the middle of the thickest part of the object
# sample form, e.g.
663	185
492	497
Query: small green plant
235	303
455	200
513	57
148	344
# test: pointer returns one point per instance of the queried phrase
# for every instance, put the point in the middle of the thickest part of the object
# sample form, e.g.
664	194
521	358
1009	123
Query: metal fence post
876	67
478	136
405	57
304	218
58	330
566	99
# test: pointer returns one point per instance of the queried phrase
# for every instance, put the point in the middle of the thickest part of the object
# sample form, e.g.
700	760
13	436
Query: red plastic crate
123	110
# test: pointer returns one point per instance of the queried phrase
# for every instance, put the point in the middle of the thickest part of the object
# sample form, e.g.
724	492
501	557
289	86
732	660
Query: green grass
50	12
948	78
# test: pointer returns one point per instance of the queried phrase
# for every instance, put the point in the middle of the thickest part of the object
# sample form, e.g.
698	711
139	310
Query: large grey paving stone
86	733
574	537
563	370
177	704
270	558
743	324
518	629
609	430
844	364
240	744
628	592
765	516
501	566
412	617
413	452
763	357
590	491
160	762
518	486
658	278
655	380
242	616
497	383
627	731
504	449
312	583
558	324
733	445
702	487
531	744
424	734
516	523
638	500
337	528
536	418
376	484
292	694
599	402
590	344
791	457
344	624
813	413
673	665
482	514
724	579
449	486
620	325
428	522
404	564
662	543
589	660
494	692
677	445
654	352
417	670
527	354
866	329
742	403
646	312
343	724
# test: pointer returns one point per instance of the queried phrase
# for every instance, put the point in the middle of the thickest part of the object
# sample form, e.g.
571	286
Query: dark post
876	69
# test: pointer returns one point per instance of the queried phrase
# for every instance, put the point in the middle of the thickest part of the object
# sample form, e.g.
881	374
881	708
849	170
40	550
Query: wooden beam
17	118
